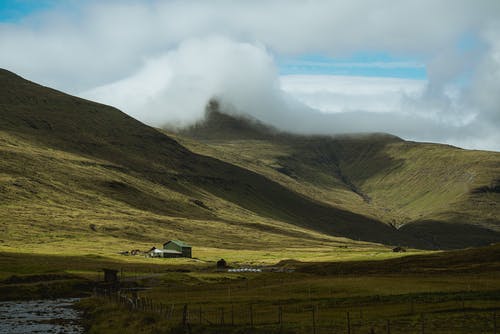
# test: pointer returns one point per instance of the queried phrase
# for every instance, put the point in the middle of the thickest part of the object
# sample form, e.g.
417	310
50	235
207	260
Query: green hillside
445	195
78	177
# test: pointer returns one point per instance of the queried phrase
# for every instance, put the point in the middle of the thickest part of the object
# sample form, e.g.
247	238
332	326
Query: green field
455	292
81	182
460	298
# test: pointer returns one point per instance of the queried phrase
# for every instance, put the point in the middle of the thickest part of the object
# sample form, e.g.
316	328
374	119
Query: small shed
221	264
176	248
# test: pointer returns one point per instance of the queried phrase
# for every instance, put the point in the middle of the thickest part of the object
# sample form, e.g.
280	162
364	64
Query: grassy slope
77	197
419	188
80	177
87	172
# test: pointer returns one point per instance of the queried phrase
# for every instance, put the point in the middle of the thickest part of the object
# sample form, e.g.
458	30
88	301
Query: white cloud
160	61
333	93
175	86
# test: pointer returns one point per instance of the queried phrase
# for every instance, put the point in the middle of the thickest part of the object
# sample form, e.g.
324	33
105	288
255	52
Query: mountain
81	177
447	196
77	176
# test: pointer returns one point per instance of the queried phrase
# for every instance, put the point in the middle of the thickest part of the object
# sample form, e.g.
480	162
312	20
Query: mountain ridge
63	154
425	189
92	168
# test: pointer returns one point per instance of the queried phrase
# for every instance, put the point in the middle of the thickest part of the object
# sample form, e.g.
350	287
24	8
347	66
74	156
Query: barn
176	248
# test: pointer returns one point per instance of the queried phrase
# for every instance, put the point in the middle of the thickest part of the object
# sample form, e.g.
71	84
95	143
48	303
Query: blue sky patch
360	64
12	11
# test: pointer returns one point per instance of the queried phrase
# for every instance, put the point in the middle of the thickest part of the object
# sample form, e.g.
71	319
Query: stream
40	316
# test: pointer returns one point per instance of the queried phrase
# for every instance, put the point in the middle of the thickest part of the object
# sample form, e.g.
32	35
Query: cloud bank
175	87
161	61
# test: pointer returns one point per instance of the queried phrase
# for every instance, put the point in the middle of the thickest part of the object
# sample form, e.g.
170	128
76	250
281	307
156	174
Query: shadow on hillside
443	235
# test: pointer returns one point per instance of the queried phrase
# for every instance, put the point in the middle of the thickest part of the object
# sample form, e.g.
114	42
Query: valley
81	182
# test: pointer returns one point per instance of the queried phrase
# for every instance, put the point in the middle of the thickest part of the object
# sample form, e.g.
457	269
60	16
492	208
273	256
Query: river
40	316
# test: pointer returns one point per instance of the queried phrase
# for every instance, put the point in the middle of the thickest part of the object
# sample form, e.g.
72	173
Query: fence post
232	315
171	313
314	318
200	316
222	316
251	315
494	323
348	323
184	315
280	318
388	326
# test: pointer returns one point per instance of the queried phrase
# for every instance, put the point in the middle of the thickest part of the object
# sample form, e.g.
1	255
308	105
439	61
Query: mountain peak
219	124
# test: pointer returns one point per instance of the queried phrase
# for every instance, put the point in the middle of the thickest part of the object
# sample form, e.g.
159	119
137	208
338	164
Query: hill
78	176
81	177
444	195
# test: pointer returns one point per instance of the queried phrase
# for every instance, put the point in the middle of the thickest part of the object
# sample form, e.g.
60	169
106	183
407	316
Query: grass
445	195
80	182
71	185
446	287
78	177
451	299
42	261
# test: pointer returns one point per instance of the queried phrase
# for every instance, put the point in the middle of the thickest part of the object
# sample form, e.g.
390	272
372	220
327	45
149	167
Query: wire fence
313	318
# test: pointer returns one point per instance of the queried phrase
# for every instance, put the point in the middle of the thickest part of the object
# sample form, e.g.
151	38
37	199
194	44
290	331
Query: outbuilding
176	248
221	264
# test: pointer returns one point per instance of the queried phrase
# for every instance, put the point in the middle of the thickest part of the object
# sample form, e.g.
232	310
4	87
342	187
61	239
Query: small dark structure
398	249
221	264
110	275
176	248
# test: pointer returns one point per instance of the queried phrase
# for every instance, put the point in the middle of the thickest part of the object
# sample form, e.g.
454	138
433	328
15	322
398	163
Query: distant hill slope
447	196
78	174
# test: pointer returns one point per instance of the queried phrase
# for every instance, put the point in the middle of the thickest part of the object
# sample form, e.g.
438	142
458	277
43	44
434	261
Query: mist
161	62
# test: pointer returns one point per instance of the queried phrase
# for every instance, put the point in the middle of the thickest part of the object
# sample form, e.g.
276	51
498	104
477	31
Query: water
39	316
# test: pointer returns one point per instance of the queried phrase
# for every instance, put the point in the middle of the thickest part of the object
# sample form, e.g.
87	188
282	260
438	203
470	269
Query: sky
422	70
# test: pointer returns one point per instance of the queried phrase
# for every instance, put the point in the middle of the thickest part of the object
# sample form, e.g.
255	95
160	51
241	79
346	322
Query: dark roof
178	243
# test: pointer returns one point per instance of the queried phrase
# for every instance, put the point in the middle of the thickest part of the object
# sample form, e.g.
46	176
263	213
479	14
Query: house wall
169	255
186	252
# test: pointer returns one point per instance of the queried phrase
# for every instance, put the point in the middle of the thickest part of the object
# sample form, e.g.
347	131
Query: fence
315	319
